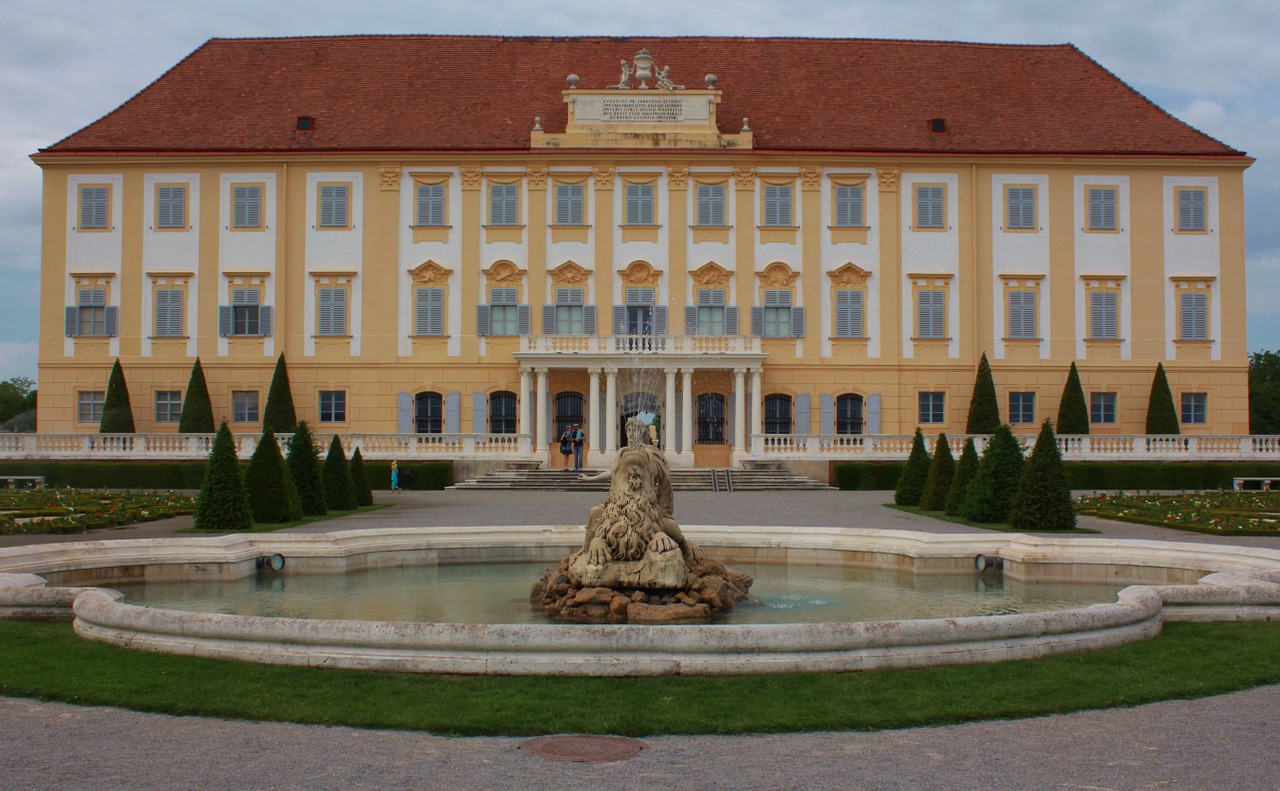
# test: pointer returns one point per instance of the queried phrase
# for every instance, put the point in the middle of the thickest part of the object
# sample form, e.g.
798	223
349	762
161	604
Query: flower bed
73	511
1233	513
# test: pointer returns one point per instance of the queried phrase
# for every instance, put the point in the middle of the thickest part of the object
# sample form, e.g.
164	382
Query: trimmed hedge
427	475
190	474
1128	475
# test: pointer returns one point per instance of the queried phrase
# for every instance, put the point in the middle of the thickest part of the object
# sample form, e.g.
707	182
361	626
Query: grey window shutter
430	204
802	415
872	424
523	320
112	321
619	319
224	320
660	320
826	414
757	321
588	319
691	320
482	320
71	321
422	321
1109	209
404	413
479	412
264	320
731	321
548	319
453	412
797	323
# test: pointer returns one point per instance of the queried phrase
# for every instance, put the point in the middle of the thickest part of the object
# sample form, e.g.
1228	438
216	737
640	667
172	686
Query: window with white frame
569	311
504	308
1193	316
849	211
92	317
1020	208
639	204
1191	203
244	406
777	313
711	310
931	313
933	407
777	205
1022	314
931	211
849	323
711	204
1102	208
245	316
334	209
1195	409
1103	315
569	204
1022	408
1102	408
504	204
333	406
429	317
332	305
89	405
169	313
430	205
171	206
246	206
95	207
168	406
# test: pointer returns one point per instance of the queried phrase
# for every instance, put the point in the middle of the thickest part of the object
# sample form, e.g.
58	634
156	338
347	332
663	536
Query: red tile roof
446	93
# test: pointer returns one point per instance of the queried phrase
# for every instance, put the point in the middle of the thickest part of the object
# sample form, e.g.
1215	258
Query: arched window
711	419
849	414
428	413
502	412
568	411
777	414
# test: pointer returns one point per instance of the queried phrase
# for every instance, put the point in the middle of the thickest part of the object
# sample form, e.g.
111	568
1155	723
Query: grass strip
1190	660
1000	527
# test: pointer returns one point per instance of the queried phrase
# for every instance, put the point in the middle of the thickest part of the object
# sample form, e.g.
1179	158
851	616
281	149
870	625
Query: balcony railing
640	344
896	447
176	447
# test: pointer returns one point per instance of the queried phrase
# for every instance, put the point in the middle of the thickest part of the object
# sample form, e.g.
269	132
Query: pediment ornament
778	275
849	275
430	273
711	275
640	273
569	274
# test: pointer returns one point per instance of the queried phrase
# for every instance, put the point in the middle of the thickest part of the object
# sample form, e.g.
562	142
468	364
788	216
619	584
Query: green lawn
48	662
1219	513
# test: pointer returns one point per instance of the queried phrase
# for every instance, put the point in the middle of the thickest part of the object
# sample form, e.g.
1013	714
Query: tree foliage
1162	418
914	476
272	495
1043	500
991	492
1073	414
117	413
16	396
1264	393
197	411
962	478
279	415
941	471
984	408
304	468
339	491
360	479
222	503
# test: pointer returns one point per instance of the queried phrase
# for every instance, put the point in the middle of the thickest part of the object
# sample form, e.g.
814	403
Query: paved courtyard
1224	742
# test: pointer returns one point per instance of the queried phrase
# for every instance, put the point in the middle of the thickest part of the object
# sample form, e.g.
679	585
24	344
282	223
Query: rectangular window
931	207
169	313
168	406
430	209
333	406
1022	314
1022	407
246	206
849	206
1020	214
1102	408
931	314
711	311
569	311
711	204
639	204
1191	209
569	201
638	312
1195	408
777	205
777	314
849	314
333	312
334	205
95	208
89	406
246	312
171	207
430	311
244	406
933	407
1103	322
1102	208
504	204
92	313
504	310
1193	317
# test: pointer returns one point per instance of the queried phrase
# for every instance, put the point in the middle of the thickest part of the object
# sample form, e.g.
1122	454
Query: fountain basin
1167	581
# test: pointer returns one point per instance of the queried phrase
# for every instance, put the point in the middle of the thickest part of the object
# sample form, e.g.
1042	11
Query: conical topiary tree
966	470
279	414
360	479
272	496
913	477
984	410
999	471
1162	418
339	492
1073	414
941	471
197	412
222	503
1043	500
117	413
304	468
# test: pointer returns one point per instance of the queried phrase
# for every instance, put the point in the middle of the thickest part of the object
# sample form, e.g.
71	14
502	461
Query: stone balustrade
629	345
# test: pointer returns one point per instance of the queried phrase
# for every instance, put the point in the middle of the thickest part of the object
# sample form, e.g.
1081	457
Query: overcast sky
65	63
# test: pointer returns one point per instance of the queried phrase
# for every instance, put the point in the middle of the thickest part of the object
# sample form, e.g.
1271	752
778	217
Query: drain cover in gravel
583	749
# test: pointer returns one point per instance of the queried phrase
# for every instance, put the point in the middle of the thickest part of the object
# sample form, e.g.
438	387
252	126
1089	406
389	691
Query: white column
540	427
739	412
668	413
686	413
593	415
526	401
757	404
611	407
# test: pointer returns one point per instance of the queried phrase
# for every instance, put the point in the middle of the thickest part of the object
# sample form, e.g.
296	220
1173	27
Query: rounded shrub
914	476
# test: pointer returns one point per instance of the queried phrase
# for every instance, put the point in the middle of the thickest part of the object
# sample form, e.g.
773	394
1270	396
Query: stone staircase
762	478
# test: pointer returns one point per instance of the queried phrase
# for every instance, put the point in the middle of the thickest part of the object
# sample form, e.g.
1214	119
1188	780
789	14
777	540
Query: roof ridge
499	37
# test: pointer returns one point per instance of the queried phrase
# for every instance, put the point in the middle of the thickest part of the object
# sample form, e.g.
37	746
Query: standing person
395	477
566	445
579	440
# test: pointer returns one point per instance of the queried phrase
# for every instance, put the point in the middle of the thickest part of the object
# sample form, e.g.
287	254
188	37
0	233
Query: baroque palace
758	241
